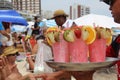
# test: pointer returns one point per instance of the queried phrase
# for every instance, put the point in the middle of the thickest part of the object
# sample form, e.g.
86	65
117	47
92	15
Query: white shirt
68	23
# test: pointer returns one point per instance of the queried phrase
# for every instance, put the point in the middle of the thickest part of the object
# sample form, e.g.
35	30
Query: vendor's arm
53	76
82	75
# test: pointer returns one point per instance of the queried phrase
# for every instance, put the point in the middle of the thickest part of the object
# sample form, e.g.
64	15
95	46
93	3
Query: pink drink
78	51
97	50
60	50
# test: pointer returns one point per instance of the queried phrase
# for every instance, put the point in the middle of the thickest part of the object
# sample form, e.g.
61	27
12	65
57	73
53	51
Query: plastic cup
60	50
78	51
97	50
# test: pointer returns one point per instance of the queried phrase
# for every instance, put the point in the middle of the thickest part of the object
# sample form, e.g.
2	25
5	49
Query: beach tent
13	17
96	20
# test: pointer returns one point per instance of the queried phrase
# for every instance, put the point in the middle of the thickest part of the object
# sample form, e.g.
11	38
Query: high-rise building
28	6
78	11
5	4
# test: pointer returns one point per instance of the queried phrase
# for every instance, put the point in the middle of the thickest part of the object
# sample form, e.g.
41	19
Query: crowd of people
9	71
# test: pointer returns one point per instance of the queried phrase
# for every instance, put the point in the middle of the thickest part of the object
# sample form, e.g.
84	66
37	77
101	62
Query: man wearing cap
10	53
8	68
114	49
61	19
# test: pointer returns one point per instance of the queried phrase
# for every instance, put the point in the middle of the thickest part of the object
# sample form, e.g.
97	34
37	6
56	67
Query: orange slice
50	29
88	34
108	38
106	33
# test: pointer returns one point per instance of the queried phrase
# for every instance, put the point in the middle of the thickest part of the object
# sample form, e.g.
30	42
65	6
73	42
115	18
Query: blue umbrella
12	16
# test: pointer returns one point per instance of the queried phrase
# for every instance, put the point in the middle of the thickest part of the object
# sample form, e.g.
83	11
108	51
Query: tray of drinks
82	66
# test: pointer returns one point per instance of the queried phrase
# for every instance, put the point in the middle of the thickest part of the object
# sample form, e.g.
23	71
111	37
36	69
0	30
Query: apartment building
5	4
77	10
28	6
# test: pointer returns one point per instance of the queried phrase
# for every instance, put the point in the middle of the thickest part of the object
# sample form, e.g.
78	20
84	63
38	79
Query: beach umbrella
18	28
13	17
96	20
48	23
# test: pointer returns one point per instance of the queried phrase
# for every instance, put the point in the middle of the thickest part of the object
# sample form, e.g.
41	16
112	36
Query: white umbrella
96	20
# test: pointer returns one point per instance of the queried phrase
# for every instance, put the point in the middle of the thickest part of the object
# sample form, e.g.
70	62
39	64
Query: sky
96	6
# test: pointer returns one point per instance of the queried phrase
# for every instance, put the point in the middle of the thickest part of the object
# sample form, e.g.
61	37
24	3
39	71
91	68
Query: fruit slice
56	36
88	34
77	31
108	40
105	33
51	36
52	29
68	35
98	34
109	36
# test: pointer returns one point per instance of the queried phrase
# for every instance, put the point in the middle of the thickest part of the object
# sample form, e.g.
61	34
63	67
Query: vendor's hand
82	75
53	76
